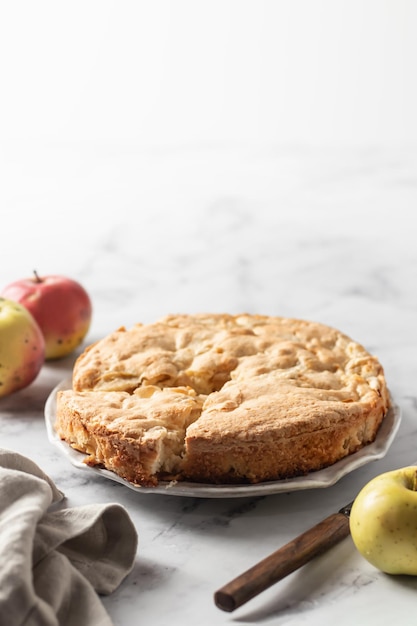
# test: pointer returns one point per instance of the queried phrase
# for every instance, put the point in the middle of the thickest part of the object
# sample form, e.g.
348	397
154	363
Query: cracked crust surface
221	399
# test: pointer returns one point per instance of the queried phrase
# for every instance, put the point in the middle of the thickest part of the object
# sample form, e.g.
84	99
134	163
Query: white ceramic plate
314	480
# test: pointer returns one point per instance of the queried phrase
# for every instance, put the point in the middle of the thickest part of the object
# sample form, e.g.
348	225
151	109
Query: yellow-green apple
22	347
383	521
60	305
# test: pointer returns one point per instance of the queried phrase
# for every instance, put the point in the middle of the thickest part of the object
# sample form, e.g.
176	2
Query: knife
284	561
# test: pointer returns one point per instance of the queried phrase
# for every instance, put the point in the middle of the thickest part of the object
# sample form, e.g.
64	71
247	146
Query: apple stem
414	487
37	279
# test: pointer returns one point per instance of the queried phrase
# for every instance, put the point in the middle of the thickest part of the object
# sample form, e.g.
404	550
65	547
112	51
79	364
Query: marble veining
319	234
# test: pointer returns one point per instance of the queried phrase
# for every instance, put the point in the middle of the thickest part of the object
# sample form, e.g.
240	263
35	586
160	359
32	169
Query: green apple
383	521
22	347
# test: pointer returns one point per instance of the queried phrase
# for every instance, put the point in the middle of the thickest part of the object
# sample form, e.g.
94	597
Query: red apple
61	307
22	347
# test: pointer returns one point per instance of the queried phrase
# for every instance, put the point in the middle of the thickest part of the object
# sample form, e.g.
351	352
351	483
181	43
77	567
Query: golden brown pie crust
220	398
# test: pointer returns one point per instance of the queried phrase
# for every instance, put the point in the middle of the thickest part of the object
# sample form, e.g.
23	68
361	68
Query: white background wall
192	72
172	114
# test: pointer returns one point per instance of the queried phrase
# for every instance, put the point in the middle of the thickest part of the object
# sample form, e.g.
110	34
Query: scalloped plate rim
315	480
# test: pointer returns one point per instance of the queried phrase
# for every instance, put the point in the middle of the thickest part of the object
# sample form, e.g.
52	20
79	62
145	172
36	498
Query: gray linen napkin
55	561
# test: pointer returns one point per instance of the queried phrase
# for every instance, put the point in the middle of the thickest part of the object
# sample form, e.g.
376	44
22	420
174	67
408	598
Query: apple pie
220	398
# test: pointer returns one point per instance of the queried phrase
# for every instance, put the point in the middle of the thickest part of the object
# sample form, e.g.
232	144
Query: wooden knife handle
282	562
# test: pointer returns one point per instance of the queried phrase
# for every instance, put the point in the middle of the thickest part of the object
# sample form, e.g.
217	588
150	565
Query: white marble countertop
324	234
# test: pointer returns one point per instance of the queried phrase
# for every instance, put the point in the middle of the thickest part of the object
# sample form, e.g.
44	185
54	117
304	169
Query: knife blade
284	561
